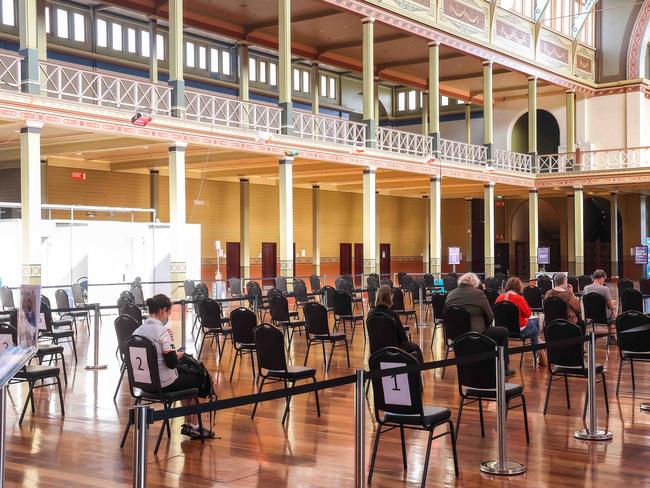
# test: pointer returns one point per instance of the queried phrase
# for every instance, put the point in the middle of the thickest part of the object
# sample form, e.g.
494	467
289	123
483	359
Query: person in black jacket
383	304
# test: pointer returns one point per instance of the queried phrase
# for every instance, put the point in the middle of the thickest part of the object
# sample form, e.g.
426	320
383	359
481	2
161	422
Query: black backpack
187	364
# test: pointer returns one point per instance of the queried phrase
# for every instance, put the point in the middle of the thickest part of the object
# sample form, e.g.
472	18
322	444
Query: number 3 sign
396	387
141	372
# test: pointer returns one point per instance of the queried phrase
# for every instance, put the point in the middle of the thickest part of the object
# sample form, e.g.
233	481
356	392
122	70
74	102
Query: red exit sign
79	175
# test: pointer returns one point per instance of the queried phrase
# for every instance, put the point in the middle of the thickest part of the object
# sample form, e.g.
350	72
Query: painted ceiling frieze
513	33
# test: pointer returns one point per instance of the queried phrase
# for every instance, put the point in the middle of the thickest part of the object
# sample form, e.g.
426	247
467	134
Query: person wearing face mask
155	328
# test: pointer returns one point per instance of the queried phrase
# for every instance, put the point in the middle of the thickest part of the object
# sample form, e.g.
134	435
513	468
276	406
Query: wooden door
384	259
501	258
233	266
358	263
269	263
345	258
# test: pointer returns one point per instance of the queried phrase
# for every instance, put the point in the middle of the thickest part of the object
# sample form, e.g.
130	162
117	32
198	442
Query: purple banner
543	255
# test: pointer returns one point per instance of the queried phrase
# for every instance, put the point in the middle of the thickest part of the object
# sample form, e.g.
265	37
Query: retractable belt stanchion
359	433
183	322
421	295
141	423
502	465
96	364
592	432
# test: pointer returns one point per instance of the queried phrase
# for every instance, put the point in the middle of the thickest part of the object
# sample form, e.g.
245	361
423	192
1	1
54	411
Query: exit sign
79	175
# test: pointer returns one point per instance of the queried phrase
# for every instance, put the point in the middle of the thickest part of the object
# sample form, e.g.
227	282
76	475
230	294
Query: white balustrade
328	129
512	161
10	71
217	110
460	152
603	159
93	87
403	142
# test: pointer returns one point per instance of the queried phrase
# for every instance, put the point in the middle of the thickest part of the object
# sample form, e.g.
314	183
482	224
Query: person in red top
527	327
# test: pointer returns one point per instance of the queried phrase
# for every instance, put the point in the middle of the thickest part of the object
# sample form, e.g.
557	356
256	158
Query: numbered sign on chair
41	322
396	387
6	341
141	371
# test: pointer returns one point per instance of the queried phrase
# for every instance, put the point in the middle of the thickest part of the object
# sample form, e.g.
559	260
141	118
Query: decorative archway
548	133
637	50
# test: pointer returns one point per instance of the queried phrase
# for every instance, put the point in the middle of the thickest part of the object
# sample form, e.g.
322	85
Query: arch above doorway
548	133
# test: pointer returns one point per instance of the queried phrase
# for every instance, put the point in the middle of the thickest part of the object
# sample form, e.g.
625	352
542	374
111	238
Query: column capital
31	127
578	188
532	78
533	190
243	180
368	20
286	160
243	43
613	193
369	171
434	43
426	197
570	92
315	63
177	146
315	187
490	184
154	171
435	179
487	62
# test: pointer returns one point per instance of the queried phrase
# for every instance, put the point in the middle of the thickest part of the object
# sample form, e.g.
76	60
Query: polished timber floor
82	450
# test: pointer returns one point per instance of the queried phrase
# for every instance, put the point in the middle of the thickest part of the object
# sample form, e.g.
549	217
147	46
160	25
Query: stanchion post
501	465
359	433
96	364
592	432
421	307
141	422
3	425
183	323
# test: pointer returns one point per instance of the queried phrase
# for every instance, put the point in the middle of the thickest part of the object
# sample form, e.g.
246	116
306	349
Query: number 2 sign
396	387
141	372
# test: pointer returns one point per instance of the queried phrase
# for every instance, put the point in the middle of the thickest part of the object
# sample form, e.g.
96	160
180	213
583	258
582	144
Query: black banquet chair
317	330
632	346
624	284
595	306
400	407
457	321
56	335
62	302
506	314
544	283
344	314
631	300
314	282
272	365
398	305
132	310
281	316
644	287
534	298
243	322
477	380
567	360
145	386
212	325
491	296
438	306
125	326
554	309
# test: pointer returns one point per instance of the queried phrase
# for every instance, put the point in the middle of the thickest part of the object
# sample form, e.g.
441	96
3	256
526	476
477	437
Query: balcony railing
92	87
328	129
461	152
212	109
633	157
10	70
556	163
403	142
512	161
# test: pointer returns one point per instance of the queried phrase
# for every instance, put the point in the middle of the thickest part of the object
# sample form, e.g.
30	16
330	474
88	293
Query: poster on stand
29	316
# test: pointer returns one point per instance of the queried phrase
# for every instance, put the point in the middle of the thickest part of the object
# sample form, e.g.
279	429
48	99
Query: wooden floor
83	450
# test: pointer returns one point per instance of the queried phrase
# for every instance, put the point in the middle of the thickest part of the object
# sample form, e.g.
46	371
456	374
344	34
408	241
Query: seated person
598	286
563	290
469	296
156	330
383	304
512	293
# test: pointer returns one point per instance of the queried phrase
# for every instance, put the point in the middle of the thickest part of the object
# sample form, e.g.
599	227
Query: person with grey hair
469	296
598	286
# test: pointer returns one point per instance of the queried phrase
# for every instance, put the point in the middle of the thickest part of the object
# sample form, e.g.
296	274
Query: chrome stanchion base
645	407
598	435
508	468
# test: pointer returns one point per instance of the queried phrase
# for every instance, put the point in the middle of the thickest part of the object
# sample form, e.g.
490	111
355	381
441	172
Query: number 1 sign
396	387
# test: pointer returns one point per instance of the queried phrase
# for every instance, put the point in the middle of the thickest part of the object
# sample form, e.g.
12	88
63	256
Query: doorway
358	263
233	268
269	263
384	259
501	257
548	134
345	258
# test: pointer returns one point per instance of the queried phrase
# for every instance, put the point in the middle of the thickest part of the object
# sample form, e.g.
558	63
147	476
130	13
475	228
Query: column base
489	266
435	265
580	265
286	268
371	136
369	266
286	118
31	274
178	273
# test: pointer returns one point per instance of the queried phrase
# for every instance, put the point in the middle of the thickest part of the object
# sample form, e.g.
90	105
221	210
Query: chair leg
426	460
453	446
566	389
307	353
401	434
442	376
288	400
201	347
521	356
65	372
548	393
29	397
480	414
126	433
605	392
74	349
460	414
325	363
374	454
258	392
234	362
316	395
329	362
632	371
347	352
252	364
525	412
119	382
160	434
196	401
618	377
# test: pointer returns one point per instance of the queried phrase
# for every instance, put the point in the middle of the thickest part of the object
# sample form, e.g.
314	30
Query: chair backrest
198	295
279	306
7	297
400	277
128	295
429	280
202	288
243	322
8	336
210	314
138	296
492	284
373	280
372	295
595	307
254	290
401	393
349	278
386	281
47	314
316	319
500	277
314	282
631	299
533	296
62	299
132	310
46	301
408	283
398	299
341	284
563	354
141	359
438	304
457	321
269	345
342	303
479	374
554	309
328	296
125	326
78	295
235	286
632	342
506	314
624	284
121	302
188	286
300	292
450	282
382	331
491	295
281	284
575	284
584	280
644	286
544	283
273	291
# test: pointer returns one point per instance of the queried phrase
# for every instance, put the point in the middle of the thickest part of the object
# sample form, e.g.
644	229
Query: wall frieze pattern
635	48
